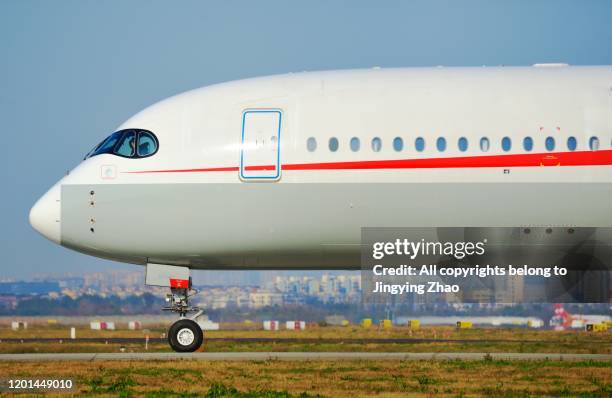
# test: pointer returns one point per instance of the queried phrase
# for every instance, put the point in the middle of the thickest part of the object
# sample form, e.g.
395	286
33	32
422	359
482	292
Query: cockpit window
146	144
107	145
127	145
130	143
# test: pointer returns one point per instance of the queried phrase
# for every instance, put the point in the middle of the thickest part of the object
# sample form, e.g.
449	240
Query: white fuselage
284	171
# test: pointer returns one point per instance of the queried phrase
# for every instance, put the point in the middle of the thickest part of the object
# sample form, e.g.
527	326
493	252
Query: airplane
282	172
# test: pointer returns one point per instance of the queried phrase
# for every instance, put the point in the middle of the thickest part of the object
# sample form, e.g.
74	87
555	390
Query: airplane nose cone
45	214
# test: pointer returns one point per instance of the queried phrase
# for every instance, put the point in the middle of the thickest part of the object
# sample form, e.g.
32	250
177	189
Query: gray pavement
300	356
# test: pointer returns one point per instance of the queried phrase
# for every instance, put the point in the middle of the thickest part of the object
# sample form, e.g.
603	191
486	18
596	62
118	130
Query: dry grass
485	378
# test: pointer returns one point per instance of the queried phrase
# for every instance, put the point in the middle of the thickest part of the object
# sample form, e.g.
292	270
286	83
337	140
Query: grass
326	378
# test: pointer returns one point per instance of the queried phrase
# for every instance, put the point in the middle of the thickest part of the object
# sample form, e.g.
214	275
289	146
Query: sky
72	71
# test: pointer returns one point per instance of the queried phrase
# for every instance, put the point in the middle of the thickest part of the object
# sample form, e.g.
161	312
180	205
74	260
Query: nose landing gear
185	335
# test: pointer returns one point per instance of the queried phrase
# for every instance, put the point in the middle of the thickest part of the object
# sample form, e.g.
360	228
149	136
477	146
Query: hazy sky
72	71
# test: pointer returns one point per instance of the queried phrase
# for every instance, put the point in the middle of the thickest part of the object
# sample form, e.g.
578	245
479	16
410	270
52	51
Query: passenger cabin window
528	144
462	144
506	144
441	144
355	144
484	144
572	143
398	144
376	144
311	144
333	144
419	144
129	143
594	143
550	144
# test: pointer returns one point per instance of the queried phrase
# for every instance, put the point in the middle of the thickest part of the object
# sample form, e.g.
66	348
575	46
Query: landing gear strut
178	298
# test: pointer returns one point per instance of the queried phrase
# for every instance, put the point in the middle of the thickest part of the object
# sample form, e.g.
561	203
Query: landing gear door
167	276
260	145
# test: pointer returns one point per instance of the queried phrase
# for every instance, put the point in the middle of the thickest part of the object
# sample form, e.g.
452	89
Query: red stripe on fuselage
233	168
580	158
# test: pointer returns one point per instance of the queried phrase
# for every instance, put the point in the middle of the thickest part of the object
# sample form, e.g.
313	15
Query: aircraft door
260	144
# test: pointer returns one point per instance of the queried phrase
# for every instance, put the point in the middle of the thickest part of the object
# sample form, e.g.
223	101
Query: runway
303	356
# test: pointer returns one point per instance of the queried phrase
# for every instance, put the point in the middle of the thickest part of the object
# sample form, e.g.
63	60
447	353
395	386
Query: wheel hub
185	337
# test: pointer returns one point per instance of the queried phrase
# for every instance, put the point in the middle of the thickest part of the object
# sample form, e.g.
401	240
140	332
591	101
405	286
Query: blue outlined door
260	144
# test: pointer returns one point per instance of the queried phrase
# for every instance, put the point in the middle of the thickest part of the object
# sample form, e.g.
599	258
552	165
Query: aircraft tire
185	335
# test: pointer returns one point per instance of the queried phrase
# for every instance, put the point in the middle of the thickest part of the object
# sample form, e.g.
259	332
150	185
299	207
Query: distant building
265	298
71	283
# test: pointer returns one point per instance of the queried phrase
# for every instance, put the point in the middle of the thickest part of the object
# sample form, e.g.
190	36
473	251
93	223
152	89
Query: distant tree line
87	305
